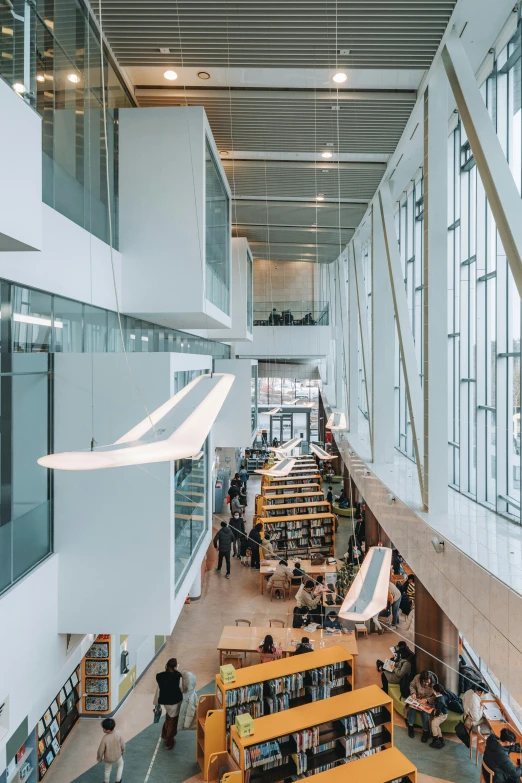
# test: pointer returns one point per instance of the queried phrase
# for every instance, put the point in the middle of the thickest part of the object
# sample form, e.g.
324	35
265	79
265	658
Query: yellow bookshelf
215	717
317	532
389	766
291	479
336	728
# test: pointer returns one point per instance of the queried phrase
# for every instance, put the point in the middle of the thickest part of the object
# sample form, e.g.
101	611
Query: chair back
486	774
276	623
243	622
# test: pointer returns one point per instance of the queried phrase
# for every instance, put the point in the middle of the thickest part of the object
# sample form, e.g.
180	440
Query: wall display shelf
389	766
295	535
270	688
96	672
315	737
57	722
23	767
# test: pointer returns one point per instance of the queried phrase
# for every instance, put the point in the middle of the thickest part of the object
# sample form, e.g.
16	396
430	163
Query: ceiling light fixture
170	75
203	75
175	430
40	78
285	448
339	77
326	154
280	469
368	593
223	152
320	197
321	453
73	78
336	421
19	88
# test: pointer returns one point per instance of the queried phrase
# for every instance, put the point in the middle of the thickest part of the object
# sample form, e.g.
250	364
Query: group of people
286	318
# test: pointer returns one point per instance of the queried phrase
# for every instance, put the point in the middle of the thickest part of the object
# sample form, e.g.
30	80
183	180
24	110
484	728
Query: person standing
111	750
439	716
264	438
243	475
395	601
329	497
223	541
237	525
235	505
254	540
169	694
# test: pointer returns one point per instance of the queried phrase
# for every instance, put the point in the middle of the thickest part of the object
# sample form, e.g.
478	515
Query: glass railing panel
31	539
216	291
291	313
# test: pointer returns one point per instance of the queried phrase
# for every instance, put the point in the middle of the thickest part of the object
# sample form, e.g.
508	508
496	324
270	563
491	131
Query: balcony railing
291	313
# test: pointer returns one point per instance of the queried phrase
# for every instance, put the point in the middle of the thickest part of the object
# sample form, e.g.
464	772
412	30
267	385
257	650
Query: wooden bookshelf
276	736
270	490
389	766
223	769
96	676
283	526
281	507
215	718
292	479
292	497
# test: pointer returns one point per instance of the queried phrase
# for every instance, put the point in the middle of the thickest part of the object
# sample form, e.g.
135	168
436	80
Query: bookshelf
261	688
271	491
291	479
296	534
389	766
287	509
292	497
315	737
96	673
57	722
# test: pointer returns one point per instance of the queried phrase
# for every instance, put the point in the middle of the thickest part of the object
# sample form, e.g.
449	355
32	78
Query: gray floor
451	763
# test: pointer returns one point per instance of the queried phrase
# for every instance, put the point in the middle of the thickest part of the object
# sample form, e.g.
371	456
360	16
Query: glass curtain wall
409	228
367	275
50	53
217	235
250	292
282	391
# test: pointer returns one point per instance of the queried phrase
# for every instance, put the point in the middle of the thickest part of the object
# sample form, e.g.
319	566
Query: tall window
217	238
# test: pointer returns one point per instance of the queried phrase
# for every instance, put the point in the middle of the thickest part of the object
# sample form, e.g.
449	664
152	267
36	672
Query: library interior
260	493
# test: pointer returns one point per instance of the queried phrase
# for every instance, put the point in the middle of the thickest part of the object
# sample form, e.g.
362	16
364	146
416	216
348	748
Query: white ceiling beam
331	95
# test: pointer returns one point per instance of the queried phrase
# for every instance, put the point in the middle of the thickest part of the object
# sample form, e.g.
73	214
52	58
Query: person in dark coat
237	525
223	541
169	694
254	540
496	757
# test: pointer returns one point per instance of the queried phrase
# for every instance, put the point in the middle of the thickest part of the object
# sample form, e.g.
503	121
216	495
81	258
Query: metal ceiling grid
277	33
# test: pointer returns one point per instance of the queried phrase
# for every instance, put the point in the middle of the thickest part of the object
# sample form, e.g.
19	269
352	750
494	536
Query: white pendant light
280	469
286	448
336	421
308	404
368	594
273	411
181	426
321	453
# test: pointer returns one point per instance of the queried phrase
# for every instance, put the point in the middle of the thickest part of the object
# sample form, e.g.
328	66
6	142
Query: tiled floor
194	642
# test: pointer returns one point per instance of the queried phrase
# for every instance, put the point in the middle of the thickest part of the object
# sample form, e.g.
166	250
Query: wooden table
248	638
306	566
496	726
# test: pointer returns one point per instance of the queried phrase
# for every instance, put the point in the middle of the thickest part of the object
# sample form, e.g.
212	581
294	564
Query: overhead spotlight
73	78
223	152
326	154
339	77
170	75
320	197
40	77
203	75
19	88
438	545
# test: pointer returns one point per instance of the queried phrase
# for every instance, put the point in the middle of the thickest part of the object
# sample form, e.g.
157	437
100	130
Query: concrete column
436	634
195	590
372	529
435	361
383	348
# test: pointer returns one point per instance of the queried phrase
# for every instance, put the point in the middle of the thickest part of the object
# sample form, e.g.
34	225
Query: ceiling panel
277	33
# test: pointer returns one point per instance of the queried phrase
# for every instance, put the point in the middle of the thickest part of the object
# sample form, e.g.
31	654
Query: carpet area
451	763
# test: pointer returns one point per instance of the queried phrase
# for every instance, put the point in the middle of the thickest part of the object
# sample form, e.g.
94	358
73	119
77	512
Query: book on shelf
307	738
263	754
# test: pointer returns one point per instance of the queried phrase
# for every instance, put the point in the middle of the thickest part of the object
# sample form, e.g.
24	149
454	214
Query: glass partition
291	313
217	235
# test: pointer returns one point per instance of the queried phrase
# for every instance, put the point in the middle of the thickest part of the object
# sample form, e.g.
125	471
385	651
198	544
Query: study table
241	638
305	565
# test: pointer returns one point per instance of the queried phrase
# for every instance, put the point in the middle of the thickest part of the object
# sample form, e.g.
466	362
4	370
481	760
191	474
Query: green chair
448	727
342	512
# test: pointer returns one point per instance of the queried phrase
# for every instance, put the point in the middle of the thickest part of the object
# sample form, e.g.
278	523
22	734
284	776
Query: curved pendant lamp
279	470
181	426
285	448
336	421
273	411
321	453
368	594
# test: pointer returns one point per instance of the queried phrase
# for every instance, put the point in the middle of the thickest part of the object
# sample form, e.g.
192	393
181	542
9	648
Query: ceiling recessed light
320	197
170	75
203	75
325	171
40	77
164	50
73	77
223	152
19	88
326	154
339	77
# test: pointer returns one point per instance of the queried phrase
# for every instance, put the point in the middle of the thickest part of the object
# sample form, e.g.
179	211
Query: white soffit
175	430
368	594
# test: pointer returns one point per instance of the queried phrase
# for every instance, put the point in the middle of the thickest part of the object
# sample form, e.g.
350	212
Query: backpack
454	702
404	685
462	733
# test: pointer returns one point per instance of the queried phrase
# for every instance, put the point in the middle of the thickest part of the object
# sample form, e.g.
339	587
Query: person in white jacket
473	707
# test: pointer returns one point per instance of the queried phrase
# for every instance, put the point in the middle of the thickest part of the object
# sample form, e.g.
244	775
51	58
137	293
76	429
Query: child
297	570
111	750
440	714
244	549
320	587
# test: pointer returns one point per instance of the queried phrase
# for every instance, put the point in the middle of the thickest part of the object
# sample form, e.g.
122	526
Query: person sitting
421	689
332	622
439	716
304	646
308	320
281	575
298	571
306	600
473	707
410	587
343	501
268	651
329	474
320	588
402	668
288	318
268	547
274	318
496	757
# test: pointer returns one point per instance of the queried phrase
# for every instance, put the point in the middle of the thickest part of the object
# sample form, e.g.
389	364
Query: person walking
237	525
235	505
169	694
254	539
223	541
395	597
111	750
243	475
264	438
